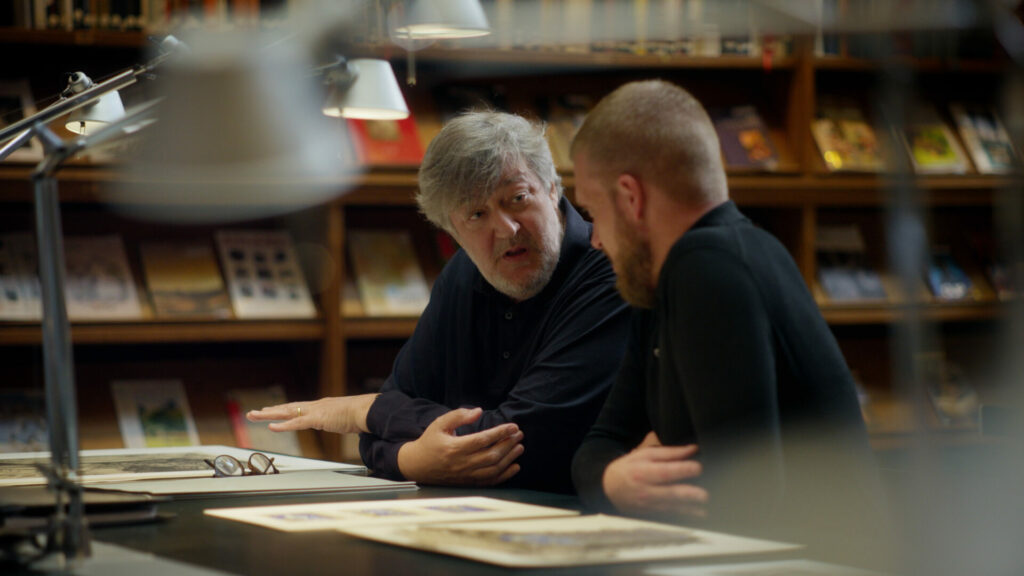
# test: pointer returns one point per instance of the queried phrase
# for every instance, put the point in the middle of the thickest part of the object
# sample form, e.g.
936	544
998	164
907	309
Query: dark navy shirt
736	358
545	363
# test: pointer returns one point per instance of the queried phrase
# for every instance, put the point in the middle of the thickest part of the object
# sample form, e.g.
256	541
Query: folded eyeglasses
226	465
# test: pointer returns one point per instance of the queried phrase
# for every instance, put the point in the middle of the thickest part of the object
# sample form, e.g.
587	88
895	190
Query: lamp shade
437	19
98	113
374	95
239	135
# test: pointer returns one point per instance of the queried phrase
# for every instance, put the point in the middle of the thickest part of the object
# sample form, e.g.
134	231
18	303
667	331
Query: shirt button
505	354
508	315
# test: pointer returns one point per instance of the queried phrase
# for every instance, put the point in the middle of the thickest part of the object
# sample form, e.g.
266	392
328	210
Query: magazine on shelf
845	139
388	273
263	275
744	138
564	114
153	413
135	464
386	142
23	426
566	540
945	277
183	280
20	296
843	271
99	282
337	515
256	435
986	138
952	395
932	147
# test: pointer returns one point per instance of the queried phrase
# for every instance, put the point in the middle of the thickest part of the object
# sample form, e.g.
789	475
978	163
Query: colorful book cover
846	140
931	144
154	413
99	282
256	435
986	138
386	142
946	278
20	296
388	273
184	280
263	275
744	139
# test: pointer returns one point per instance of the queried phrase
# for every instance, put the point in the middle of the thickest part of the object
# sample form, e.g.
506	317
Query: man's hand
648	480
484	458
344	415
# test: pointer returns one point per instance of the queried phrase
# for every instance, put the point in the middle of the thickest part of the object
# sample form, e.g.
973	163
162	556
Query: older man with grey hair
514	355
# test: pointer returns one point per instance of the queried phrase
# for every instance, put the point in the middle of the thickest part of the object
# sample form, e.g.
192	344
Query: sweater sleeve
553	402
622	423
718	346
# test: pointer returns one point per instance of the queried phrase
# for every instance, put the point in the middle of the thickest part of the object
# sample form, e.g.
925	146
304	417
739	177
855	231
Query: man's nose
505	225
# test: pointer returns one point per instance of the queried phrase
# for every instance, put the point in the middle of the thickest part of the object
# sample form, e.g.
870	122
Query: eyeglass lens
260	463
228	466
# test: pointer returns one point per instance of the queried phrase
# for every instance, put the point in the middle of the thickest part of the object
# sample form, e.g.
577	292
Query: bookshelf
339	353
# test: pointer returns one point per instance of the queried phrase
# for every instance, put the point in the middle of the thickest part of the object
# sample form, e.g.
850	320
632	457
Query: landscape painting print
154	414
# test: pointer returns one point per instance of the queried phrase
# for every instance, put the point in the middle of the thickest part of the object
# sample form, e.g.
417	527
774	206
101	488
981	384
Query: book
135	464
565	114
184	280
945	277
20	296
744	139
845	139
388	273
335	515
952	396
256	435
33	507
842	265
566	540
386	142
153	413
932	147
23	426
263	275
99	282
1003	277
986	138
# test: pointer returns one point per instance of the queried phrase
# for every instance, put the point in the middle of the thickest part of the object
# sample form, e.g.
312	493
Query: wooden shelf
172	332
379	328
848	64
537	60
395	186
848	315
111	38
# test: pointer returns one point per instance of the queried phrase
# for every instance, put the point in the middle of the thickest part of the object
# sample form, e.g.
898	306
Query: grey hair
468	159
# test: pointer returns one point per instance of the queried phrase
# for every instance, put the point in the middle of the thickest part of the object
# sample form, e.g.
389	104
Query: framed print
16	104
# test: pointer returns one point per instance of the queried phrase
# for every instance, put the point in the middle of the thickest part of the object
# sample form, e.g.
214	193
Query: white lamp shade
87	119
374	95
239	135
437	19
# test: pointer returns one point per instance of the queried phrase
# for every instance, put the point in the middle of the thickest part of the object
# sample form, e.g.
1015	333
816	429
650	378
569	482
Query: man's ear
630	197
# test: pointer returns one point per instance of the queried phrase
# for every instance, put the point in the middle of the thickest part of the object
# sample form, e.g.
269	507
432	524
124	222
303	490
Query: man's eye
520	198
475	215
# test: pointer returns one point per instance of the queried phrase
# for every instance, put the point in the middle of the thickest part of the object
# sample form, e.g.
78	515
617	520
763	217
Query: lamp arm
77	100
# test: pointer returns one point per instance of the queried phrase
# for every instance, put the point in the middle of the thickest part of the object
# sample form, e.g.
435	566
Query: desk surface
239	548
